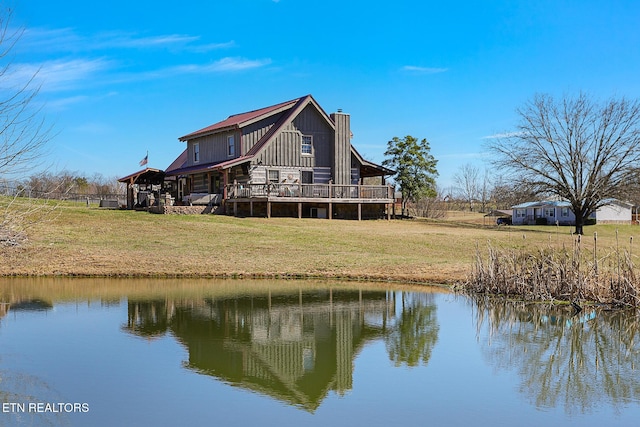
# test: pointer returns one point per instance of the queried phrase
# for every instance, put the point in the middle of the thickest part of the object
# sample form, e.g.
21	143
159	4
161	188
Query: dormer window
231	146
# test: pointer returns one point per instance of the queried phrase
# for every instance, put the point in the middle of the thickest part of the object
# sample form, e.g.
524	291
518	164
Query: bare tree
484	191
23	132
467	183
577	149
505	193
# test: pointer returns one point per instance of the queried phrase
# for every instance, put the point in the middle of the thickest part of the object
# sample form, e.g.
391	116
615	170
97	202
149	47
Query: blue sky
121	78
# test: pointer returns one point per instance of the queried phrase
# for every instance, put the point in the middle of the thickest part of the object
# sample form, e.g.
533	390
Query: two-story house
288	159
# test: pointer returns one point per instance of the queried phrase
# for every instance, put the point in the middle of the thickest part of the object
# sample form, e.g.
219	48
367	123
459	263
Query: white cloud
108	40
463	155
41	39
237	64
423	70
204	48
63	103
222	65
53	75
67	40
94	128
503	135
65	74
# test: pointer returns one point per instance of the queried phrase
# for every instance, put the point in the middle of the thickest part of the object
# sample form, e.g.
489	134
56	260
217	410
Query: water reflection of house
294	347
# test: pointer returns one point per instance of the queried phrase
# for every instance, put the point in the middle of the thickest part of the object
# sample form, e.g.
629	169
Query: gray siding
342	149
252	133
321	175
285	149
289	174
213	148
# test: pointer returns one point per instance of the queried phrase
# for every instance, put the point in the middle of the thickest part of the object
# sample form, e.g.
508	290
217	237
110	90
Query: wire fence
16	190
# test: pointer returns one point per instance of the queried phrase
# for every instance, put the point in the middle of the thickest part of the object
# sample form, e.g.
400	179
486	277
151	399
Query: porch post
330	213
359	211
225	180
299	210
130	196
392	194
268	209
251	207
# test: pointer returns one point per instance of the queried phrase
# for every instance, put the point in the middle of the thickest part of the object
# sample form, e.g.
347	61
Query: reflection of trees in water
577	360
414	335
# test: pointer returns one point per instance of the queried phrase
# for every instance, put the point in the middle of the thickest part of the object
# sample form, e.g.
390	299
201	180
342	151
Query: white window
520	213
307	144
231	146
196	152
549	212
564	212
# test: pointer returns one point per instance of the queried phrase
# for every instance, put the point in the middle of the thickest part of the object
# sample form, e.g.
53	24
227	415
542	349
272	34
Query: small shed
143	187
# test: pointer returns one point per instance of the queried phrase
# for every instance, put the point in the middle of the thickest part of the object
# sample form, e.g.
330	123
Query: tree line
62	185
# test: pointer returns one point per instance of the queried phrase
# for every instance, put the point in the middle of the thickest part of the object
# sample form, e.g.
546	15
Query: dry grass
574	273
92	242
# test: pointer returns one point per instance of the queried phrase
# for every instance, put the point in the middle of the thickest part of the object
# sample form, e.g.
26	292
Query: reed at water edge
574	274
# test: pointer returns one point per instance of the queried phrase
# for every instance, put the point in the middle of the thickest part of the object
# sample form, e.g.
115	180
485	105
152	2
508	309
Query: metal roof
144	176
178	163
242	119
543	204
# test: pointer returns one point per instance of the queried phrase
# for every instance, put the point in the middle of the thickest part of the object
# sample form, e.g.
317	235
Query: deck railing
309	191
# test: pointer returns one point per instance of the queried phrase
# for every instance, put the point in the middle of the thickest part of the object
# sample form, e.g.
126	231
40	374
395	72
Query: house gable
284	148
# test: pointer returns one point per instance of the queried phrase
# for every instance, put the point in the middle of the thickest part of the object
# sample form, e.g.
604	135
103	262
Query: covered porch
144	188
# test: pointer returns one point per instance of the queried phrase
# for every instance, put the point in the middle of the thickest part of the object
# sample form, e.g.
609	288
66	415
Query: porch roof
368	168
144	176
205	167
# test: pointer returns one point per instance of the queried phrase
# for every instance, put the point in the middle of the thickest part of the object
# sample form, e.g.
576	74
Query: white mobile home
559	212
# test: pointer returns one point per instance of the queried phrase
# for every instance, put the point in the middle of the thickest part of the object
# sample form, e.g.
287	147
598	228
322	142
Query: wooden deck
310	192
320	196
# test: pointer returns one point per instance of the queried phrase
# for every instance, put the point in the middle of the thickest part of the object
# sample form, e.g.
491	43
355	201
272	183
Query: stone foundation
182	210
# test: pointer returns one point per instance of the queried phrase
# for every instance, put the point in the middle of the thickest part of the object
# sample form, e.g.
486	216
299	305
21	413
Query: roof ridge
276	127
266	108
235	120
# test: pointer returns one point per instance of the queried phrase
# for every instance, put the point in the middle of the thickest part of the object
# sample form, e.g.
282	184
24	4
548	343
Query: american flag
145	160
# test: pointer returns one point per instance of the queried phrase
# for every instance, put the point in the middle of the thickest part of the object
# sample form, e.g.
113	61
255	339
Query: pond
105	352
